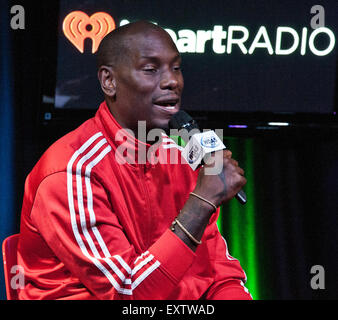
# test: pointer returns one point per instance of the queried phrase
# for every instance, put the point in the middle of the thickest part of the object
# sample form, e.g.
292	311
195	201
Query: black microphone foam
182	120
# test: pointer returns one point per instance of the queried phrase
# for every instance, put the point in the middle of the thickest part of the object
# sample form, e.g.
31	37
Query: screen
242	56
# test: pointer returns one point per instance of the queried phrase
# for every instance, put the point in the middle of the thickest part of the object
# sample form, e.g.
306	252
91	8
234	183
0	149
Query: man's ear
107	80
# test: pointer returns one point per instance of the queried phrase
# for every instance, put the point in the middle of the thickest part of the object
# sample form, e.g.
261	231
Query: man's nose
169	81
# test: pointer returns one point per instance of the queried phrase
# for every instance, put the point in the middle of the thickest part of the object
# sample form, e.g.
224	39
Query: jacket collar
126	147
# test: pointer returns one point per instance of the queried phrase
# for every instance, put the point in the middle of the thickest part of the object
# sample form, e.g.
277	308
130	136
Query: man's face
149	84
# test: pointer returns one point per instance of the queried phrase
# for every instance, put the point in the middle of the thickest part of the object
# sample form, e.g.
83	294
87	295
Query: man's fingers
227	153
240	171
243	182
234	162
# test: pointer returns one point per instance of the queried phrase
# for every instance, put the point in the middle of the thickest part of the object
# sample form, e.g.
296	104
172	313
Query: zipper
143	170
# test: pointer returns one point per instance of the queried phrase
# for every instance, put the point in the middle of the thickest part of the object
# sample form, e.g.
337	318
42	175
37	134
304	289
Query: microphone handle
241	197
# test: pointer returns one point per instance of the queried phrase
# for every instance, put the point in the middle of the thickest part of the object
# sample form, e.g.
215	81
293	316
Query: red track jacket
93	228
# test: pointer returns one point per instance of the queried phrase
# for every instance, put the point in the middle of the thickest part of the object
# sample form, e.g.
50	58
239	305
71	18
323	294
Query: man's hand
217	188
220	188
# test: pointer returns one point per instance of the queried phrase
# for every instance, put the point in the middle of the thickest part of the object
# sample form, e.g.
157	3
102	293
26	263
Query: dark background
295	169
218	82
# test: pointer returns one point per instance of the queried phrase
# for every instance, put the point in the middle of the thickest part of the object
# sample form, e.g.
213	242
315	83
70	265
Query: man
93	228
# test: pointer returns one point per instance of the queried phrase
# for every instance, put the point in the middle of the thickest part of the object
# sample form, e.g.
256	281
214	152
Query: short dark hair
114	47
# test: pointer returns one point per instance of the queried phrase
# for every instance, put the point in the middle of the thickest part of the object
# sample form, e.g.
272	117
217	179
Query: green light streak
240	219
220	220
251	249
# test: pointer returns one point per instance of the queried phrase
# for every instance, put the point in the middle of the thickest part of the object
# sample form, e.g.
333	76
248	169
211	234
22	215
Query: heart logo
77	26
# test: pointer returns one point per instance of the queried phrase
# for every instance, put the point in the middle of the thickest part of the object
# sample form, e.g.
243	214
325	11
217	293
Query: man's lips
169	103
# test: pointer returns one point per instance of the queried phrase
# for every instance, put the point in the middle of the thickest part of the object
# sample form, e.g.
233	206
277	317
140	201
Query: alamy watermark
17	17
160	148
18	278
318	279
318	20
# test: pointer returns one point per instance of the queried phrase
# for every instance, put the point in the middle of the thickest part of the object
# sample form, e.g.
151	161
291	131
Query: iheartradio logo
77	26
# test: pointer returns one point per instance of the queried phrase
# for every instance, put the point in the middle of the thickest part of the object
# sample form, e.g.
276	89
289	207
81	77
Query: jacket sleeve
229	277
80	227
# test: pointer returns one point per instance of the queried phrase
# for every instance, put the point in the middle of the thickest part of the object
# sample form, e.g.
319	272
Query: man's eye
150	69
177	68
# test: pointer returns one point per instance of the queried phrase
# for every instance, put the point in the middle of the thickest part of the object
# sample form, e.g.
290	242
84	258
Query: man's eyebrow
150	57
155	58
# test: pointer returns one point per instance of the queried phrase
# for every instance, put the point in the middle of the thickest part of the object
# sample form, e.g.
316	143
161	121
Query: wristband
189	235
203	199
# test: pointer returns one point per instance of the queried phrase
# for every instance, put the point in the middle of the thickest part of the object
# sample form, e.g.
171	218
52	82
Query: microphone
201	145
